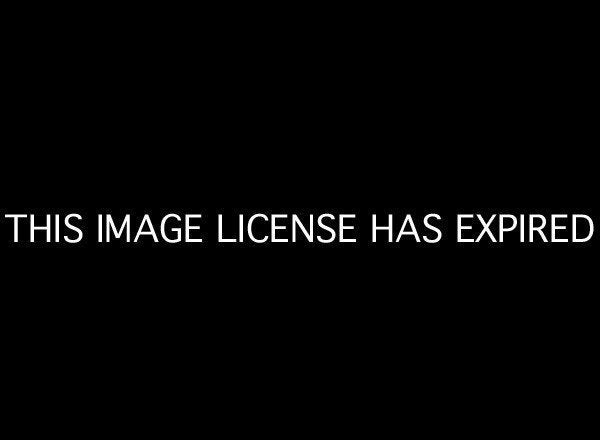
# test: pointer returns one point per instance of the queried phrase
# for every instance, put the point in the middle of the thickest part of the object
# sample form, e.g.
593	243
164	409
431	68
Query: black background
386	112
